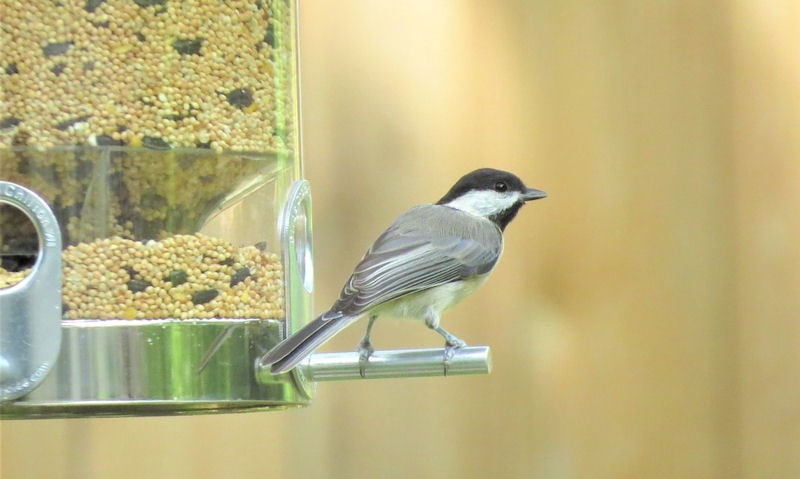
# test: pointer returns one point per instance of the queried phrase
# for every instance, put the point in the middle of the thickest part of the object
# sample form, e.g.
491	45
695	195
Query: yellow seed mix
183	276
148	73
136	112
10	278
180	277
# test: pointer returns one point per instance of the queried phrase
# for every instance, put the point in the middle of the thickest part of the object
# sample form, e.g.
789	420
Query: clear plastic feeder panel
164	138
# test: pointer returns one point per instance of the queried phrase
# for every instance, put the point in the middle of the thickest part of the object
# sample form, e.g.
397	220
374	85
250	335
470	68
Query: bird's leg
365	348
451	341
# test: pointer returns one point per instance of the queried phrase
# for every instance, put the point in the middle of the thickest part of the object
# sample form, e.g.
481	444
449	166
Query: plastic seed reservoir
154	235
164	136
123	115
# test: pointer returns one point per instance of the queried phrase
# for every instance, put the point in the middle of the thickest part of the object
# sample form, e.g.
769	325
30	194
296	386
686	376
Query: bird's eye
500	186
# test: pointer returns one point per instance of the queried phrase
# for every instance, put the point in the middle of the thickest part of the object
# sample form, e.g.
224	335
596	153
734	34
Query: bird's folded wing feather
427	246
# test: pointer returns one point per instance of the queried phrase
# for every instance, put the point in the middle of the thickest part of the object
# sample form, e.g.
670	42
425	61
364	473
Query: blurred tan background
645	318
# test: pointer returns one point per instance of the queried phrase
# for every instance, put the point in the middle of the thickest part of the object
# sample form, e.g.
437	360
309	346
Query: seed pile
158	74
10	278
183	276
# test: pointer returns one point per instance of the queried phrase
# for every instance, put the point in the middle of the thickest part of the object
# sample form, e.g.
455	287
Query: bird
430	258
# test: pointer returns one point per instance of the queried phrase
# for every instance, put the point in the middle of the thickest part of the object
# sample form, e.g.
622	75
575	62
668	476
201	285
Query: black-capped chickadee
429	259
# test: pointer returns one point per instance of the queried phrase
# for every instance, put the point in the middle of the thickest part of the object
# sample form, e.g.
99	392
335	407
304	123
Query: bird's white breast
438	299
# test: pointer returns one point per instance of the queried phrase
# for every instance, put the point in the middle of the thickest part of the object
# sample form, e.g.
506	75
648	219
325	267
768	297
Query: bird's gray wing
427	246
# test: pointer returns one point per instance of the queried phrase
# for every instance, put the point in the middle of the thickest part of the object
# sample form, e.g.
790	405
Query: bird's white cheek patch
484	203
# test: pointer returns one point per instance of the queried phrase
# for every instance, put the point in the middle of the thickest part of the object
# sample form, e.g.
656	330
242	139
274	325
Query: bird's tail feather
292	350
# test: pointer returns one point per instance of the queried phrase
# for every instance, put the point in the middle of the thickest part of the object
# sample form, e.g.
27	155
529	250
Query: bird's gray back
427	246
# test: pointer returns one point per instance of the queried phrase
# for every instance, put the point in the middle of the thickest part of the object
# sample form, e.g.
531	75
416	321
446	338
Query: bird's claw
450	351
365	350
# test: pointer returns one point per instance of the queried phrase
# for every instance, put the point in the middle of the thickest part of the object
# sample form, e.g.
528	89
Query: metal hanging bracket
30	311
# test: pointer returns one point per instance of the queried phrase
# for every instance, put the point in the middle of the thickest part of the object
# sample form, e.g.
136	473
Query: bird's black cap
491	179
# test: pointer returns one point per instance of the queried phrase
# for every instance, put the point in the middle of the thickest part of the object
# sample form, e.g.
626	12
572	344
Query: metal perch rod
400	363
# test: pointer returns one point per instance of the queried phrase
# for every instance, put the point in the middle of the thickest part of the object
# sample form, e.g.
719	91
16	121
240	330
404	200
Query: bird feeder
155	225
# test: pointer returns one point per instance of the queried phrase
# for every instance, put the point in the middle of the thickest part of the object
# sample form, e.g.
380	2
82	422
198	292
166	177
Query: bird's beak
533	194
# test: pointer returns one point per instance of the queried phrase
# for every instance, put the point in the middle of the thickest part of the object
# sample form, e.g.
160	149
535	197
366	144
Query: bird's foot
365	350
450	348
